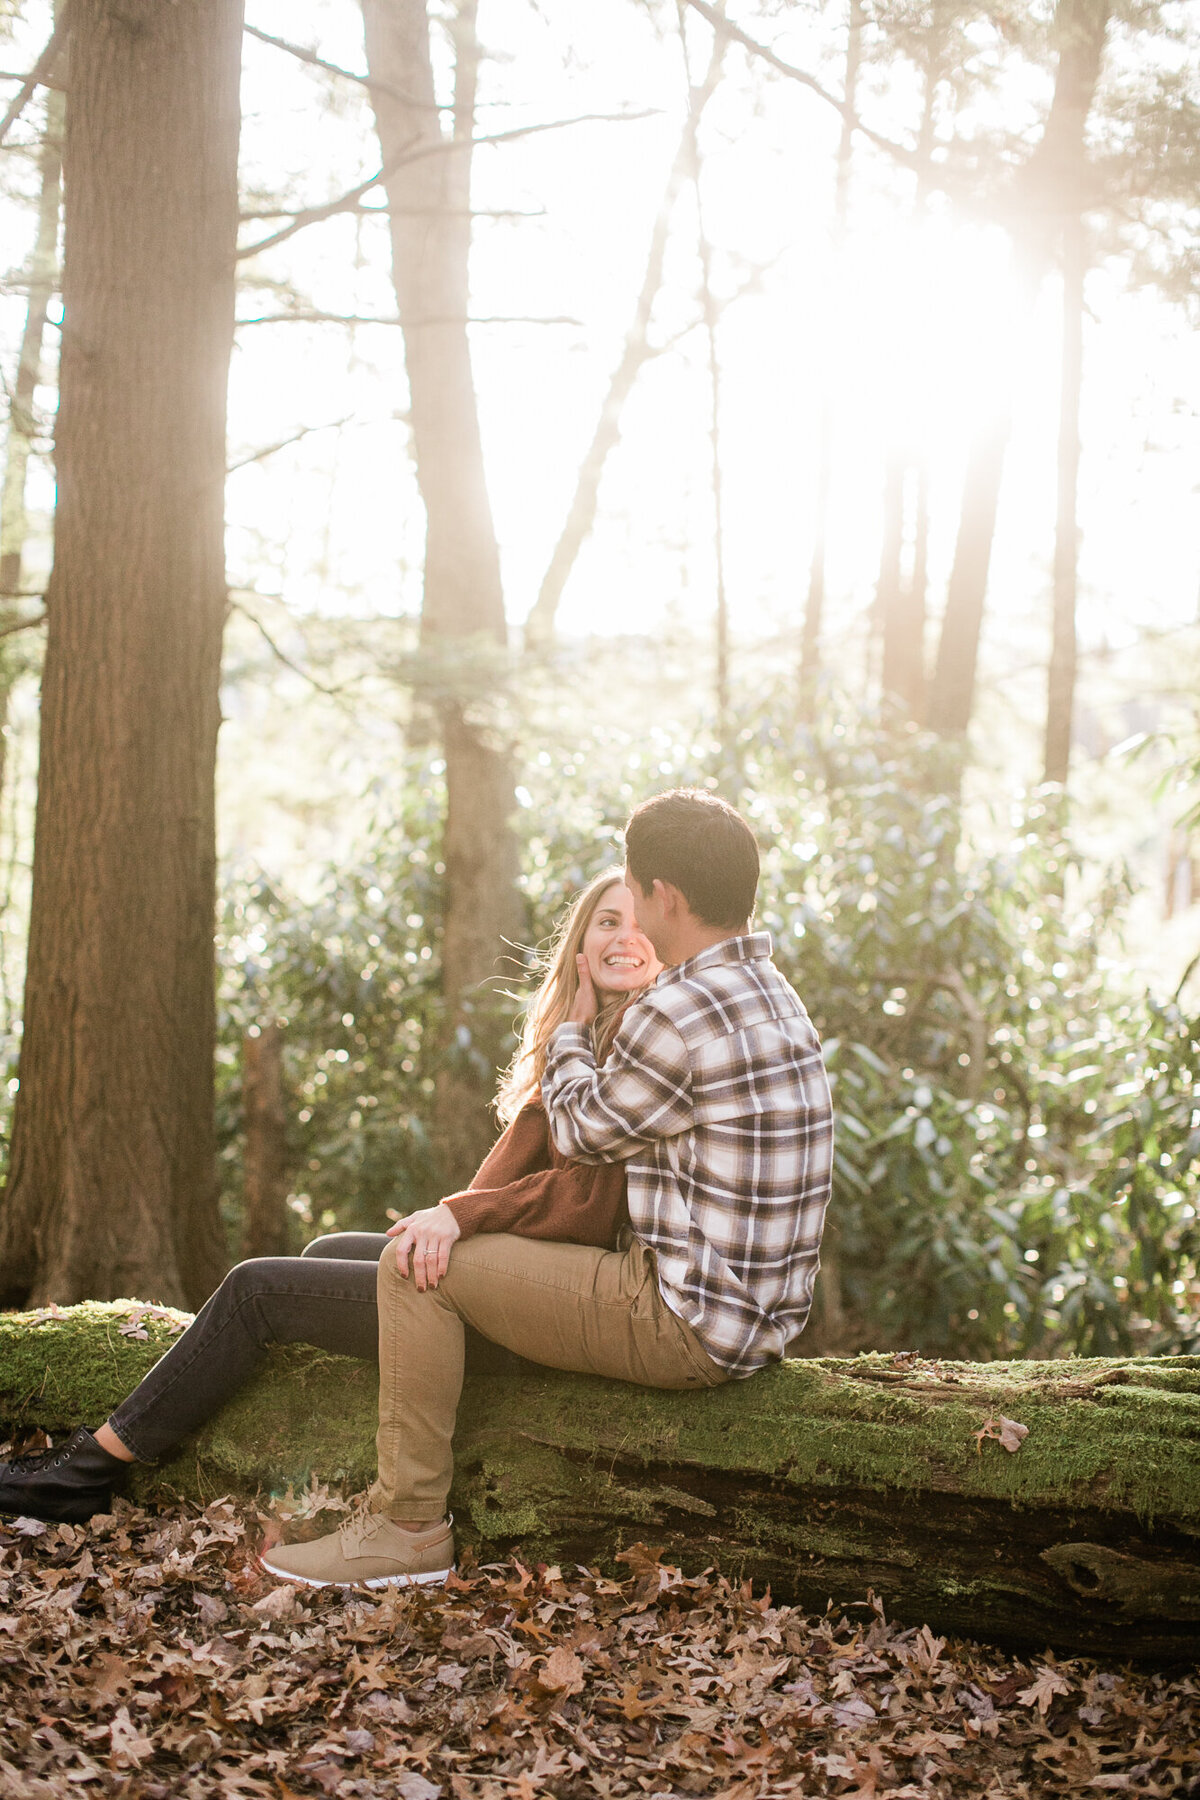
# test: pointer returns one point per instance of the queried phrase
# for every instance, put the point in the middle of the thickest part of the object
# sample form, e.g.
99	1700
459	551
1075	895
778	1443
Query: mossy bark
823	1477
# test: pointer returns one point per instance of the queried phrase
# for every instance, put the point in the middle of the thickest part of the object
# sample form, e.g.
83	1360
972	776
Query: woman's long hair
554	999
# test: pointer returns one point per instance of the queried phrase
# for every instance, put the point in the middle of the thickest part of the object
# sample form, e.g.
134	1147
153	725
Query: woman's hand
586	1004
429	1235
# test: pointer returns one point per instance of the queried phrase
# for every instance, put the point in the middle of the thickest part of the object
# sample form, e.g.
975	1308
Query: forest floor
146	1656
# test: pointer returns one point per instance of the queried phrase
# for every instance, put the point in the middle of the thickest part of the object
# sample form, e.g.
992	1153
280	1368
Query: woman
326	1296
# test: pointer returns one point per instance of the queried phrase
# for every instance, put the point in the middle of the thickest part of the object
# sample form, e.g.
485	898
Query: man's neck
693	938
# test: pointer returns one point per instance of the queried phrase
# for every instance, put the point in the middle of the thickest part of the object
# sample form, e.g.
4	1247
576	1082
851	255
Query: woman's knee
348	1246
257	1275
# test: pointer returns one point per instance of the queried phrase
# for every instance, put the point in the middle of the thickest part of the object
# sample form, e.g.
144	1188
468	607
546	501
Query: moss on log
823	1477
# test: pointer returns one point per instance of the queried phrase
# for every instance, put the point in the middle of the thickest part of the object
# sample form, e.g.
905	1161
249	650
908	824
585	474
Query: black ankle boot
67	1484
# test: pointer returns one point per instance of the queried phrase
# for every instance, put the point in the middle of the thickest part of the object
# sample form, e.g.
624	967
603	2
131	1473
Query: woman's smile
619	957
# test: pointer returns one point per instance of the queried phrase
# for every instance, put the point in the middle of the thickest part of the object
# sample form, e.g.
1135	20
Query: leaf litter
147	1656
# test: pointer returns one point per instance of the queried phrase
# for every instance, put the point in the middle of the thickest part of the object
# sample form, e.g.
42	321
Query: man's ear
669	898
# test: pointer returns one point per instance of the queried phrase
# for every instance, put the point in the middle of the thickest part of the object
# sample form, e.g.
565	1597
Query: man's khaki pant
564	1305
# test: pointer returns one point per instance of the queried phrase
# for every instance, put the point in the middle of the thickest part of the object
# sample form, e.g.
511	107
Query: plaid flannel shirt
715	1097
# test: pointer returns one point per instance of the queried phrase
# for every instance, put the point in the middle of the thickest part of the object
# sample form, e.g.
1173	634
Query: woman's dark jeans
324	1296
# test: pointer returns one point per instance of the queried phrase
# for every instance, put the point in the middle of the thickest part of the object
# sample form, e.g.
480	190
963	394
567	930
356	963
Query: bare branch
282	656
23	624
637	350
349	202
319	62
270	449
309	317
37	75
313	215
720	24
474	212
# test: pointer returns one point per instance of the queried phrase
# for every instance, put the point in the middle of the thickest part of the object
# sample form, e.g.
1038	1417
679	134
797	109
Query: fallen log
824	1478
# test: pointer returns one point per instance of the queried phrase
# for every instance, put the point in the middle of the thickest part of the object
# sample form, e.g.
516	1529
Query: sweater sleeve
523	1148
522	1186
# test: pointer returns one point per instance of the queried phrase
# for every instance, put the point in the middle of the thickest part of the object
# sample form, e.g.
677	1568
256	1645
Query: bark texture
822	1477
463	628
113	1182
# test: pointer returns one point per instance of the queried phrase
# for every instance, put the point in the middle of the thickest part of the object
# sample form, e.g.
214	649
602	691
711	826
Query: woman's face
619	956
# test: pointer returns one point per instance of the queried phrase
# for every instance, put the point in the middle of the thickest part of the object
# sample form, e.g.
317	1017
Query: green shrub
1017	1157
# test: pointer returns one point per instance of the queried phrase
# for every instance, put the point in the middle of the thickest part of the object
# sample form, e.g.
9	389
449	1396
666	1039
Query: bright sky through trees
914	336
917	334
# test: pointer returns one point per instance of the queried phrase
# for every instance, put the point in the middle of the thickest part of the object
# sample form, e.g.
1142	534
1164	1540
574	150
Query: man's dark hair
698	843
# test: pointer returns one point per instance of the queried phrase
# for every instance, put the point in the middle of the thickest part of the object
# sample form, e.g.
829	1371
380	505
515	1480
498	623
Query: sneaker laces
362	1525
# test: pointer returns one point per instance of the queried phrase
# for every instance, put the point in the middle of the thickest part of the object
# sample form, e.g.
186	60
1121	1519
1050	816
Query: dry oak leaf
562	1673
280	1603
128	1744
1043	1689
1009	1433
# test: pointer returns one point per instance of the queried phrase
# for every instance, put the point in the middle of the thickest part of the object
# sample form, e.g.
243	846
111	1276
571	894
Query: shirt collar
754	946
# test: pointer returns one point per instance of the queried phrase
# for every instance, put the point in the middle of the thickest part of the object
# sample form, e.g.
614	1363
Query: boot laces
42	1459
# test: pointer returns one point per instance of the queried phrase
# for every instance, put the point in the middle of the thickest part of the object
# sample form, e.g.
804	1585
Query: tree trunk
113	1182
1060	686
581	514
1047	194
824	1478
722	715
889	592
814	605
264	1122
462	616
952	690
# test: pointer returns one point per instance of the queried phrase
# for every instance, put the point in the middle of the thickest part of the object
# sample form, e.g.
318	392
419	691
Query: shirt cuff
568	1041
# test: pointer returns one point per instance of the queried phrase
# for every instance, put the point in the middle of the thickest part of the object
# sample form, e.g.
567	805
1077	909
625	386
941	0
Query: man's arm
642	1093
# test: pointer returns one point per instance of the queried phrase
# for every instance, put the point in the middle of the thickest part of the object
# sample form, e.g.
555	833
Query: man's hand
429	1235
586	1004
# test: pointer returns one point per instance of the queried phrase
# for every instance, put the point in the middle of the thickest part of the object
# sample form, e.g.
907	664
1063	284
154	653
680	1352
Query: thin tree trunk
43	273
581	514
722	716
264	1122
952	691
889	592
900	604
814	606
1084	25
463	607
113	1182
1046	195
918	594
1060	687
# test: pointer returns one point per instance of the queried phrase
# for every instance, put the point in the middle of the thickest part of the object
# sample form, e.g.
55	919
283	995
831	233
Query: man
714	1096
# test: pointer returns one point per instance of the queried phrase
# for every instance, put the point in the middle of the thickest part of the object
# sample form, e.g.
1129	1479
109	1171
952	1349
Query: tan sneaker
371	1551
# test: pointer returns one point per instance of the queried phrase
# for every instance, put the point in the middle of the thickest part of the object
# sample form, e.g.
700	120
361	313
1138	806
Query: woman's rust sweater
525	1187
